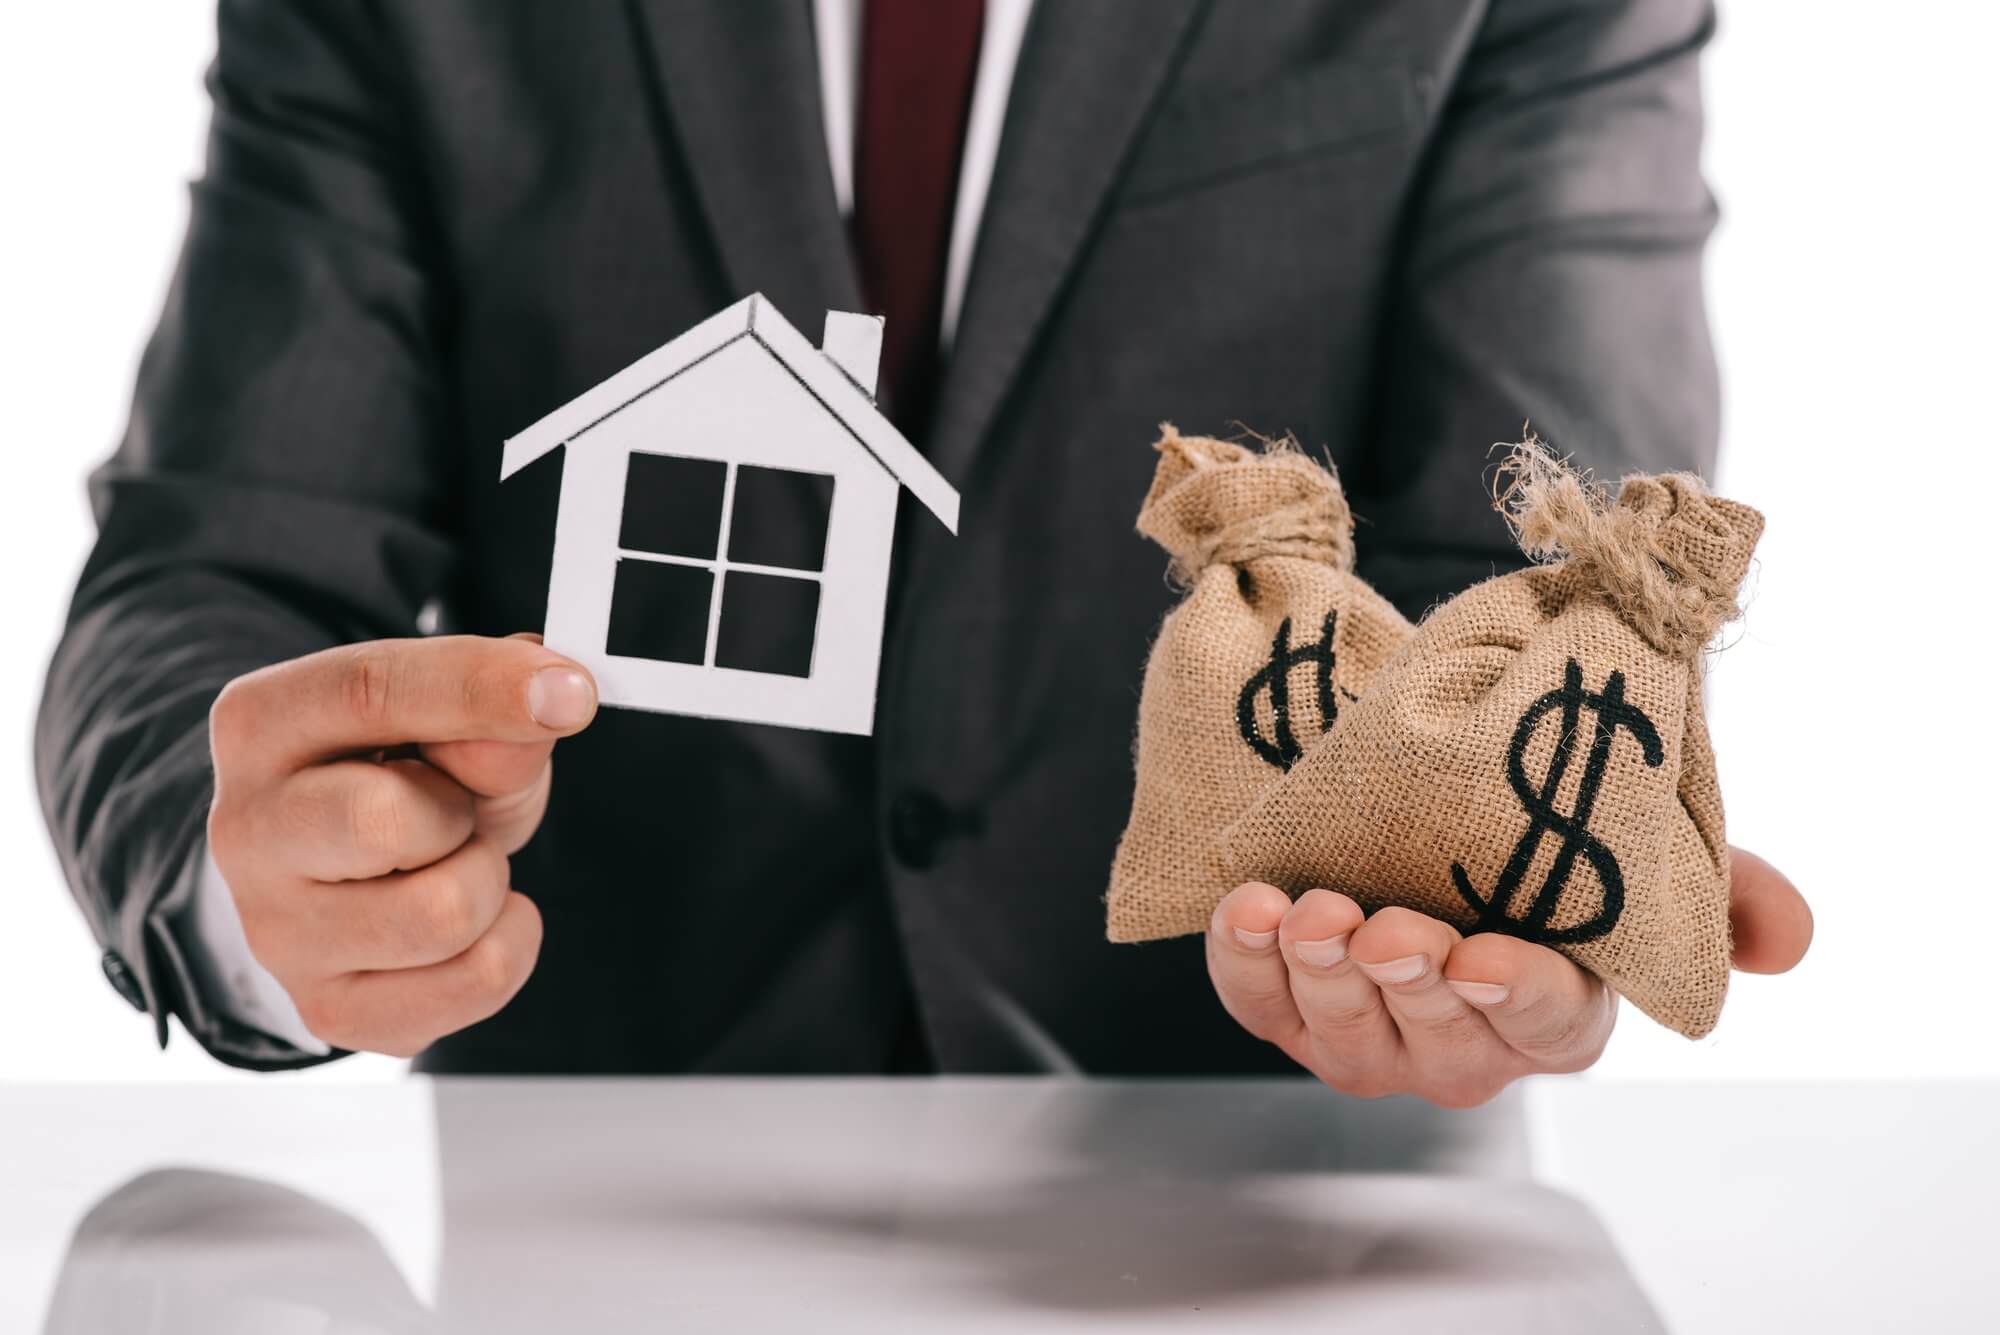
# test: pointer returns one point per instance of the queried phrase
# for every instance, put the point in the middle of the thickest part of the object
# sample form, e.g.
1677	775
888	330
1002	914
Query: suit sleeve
1550	276
281	485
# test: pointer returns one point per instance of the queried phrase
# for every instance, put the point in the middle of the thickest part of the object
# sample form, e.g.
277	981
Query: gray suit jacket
1396	228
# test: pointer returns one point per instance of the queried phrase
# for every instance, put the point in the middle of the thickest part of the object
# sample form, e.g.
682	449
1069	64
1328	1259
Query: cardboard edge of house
840	376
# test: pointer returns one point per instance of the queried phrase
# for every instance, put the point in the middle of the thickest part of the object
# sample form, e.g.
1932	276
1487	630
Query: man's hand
1402	1004
366	801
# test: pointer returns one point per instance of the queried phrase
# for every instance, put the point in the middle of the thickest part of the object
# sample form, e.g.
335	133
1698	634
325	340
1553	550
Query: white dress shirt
228	976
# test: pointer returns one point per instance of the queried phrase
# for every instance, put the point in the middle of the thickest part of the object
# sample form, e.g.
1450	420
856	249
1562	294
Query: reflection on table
879	1205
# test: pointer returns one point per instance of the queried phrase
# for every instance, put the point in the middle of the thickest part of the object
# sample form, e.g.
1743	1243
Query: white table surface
990	1205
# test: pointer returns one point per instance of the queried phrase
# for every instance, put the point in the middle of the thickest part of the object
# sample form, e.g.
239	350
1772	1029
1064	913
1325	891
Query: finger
1452	1052
354	820
512	819
1770	923
491	769
401	1012
510	779
1539	1003
1247	970
402	921
389	692
1351	1041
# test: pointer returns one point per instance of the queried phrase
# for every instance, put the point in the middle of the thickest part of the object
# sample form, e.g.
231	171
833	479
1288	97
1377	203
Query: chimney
855	344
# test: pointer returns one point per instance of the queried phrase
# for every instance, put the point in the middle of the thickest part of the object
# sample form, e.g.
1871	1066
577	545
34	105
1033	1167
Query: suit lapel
740	83
1088	75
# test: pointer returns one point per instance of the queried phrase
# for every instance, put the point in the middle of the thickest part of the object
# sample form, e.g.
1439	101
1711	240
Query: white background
1855	293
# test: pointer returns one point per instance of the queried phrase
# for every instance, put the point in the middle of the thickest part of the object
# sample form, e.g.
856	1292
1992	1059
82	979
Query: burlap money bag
1273	639
1534	760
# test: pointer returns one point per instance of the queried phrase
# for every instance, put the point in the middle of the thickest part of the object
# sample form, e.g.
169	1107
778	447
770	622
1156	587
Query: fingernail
1479	994
1407	969
1257	940
1323	954
561	697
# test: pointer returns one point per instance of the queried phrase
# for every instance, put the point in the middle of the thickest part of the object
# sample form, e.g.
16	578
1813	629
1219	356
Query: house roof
754	318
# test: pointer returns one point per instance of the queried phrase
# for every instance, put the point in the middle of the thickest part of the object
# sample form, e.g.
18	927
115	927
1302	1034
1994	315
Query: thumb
1770	923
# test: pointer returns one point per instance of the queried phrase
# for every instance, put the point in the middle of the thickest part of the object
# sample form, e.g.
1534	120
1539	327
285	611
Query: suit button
918	824
120	976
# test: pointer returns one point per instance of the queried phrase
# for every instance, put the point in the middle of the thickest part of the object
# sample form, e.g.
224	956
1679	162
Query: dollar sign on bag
1612	713
1282	747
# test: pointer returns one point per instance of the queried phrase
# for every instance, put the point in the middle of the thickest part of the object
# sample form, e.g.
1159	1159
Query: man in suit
1395	229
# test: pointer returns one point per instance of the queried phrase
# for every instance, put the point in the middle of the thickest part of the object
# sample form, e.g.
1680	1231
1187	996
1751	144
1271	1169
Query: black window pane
659	611
779	518
767	623
673	505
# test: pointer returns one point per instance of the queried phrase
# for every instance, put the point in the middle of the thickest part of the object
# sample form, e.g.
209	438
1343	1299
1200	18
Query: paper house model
736	480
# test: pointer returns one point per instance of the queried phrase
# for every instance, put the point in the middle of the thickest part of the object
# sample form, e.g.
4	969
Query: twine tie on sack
1668	556
1218	503
1307	531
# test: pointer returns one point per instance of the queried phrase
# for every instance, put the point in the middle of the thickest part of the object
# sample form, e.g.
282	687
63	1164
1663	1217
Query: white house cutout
737	413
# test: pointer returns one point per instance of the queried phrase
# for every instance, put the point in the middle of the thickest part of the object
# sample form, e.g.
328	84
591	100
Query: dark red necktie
918	58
